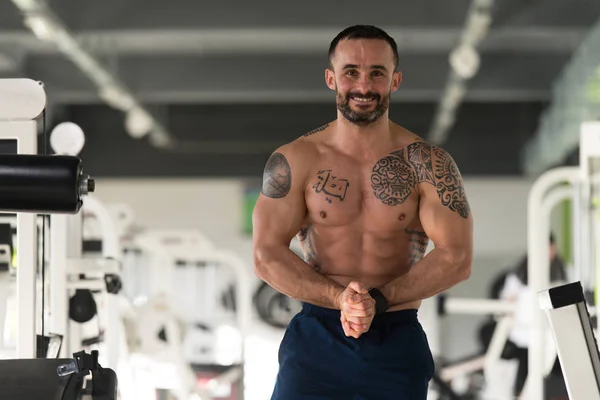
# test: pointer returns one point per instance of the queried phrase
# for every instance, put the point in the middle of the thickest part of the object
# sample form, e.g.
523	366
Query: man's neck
363	140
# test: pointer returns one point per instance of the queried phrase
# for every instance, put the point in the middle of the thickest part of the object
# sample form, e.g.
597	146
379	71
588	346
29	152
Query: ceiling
180	56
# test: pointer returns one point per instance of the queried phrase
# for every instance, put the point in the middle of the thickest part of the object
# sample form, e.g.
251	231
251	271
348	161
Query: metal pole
538	231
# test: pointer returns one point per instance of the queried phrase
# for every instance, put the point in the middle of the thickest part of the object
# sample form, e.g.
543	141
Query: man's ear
396	81
330	78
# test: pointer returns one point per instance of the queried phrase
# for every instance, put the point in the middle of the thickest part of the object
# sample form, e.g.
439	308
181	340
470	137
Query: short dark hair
364	32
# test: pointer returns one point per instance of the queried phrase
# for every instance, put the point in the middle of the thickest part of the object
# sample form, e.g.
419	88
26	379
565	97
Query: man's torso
362	218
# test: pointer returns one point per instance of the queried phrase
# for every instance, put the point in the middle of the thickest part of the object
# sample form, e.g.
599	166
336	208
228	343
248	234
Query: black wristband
381	303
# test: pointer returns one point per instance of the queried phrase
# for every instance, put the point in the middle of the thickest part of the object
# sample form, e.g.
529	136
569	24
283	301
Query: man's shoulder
419	149
313	132
304	145
427	160
297	153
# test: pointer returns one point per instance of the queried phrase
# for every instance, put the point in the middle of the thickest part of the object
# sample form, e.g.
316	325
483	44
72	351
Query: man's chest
381	193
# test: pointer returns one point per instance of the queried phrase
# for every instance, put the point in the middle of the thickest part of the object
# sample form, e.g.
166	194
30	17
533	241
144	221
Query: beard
362	117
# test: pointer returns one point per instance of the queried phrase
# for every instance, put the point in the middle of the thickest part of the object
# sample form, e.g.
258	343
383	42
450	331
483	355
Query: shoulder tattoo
395	176
419	155
319	129
277	177
449	184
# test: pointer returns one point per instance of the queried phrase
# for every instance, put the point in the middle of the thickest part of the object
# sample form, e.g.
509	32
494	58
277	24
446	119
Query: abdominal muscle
373	262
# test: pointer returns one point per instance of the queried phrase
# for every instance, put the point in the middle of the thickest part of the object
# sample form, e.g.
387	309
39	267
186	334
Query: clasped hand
357	309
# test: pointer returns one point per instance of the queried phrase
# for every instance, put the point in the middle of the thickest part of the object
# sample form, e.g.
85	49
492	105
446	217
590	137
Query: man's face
363	78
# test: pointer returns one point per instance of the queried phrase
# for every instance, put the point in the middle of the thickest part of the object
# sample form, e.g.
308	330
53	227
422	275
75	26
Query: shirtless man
364	197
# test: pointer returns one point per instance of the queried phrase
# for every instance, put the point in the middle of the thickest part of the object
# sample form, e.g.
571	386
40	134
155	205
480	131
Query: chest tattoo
393	179
331	185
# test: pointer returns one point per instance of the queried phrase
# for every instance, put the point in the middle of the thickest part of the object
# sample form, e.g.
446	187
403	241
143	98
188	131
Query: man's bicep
280	209
444	209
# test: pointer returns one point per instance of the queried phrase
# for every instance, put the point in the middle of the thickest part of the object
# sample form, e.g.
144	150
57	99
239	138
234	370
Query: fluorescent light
117	98
138	122
26	5
40	26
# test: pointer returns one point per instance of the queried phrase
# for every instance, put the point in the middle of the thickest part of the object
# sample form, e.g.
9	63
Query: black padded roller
42	184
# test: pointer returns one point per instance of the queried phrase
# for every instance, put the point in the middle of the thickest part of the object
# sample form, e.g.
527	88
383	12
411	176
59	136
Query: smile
363	99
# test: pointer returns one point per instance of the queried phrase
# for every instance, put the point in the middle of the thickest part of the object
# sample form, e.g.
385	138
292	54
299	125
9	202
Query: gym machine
32	184
170	252
566	306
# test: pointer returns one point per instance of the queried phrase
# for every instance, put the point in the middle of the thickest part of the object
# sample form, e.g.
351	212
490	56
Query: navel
323	214
402	216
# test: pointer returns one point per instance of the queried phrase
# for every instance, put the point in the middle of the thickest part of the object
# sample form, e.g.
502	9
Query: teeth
363	99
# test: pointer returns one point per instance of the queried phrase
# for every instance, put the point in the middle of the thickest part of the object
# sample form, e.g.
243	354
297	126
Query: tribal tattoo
395	176
307	248
277	177
449	184
418	245
393	179
319	129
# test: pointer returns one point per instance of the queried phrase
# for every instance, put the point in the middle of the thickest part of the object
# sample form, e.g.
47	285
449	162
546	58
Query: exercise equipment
82	306
275	308
22	101
32	184
576	346
87	306
42	184
189	324
480	363
567	312
57	379
478	376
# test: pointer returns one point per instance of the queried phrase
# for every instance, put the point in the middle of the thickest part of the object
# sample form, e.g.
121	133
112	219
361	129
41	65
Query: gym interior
133	138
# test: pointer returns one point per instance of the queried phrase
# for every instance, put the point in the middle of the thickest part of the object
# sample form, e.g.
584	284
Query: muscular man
364	197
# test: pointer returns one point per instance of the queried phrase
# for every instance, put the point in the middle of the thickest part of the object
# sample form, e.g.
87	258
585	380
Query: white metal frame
66	259
575	341
540	203
21	102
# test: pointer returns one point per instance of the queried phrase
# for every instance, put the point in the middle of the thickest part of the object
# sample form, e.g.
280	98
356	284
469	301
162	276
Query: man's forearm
435	273
282	269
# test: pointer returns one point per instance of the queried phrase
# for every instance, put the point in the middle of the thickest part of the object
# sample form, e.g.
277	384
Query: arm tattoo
277	177
418	245
392	179
449	184
319	129
307	248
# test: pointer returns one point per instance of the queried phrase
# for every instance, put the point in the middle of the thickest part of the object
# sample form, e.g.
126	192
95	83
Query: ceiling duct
46	26
464	62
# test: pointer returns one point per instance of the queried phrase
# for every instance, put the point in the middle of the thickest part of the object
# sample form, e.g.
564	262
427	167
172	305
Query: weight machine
570	309
169	252
566	306
32	184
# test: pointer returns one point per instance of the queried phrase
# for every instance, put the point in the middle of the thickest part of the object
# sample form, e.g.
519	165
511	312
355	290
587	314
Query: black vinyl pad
32	379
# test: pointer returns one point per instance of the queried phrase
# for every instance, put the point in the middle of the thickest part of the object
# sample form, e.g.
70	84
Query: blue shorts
317	361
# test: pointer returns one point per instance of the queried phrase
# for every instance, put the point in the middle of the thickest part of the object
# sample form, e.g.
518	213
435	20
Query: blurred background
182	102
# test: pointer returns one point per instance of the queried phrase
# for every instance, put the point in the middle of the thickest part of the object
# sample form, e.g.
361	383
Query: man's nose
363	84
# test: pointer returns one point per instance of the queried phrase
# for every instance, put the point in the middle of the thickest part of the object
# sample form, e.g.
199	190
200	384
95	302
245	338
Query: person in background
515	289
